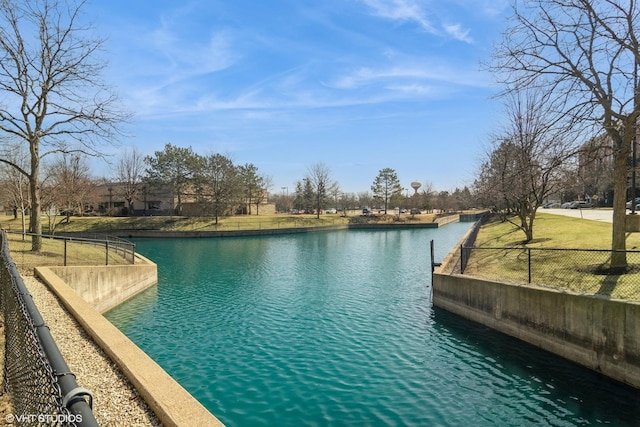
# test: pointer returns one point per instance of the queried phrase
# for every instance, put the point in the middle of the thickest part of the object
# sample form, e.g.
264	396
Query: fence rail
586	271
86	249
42	389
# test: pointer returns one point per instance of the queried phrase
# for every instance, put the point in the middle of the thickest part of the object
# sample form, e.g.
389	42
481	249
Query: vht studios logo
43	418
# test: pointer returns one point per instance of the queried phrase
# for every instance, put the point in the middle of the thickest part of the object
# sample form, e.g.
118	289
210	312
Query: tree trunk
34	220
618	238
527	217
35	226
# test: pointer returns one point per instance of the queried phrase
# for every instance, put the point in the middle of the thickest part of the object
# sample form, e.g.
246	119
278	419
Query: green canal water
338	329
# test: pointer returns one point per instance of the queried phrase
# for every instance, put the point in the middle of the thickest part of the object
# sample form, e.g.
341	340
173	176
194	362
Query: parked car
566	205
580	204
415	211
551	205
331	211
366	211
637	203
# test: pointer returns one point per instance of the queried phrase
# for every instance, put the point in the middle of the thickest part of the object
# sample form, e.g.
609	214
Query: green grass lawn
579	271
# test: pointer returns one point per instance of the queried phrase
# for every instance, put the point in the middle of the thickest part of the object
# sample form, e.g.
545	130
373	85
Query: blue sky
359	85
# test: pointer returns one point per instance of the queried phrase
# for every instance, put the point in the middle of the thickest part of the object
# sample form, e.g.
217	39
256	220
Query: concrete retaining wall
173	405
598	333
632	223
130	234
106	286
443	220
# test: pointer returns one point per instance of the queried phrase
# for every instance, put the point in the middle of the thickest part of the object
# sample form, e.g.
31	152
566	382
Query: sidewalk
596	214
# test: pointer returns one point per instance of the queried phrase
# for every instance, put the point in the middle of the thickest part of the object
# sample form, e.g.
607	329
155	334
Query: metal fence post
529	262
65	253
106	244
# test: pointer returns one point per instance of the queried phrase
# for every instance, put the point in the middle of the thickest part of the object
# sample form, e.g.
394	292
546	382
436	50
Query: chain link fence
584	271
42	390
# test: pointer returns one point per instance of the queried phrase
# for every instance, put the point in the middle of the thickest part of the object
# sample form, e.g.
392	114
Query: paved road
599	214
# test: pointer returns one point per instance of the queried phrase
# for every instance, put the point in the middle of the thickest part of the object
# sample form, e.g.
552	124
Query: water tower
415	185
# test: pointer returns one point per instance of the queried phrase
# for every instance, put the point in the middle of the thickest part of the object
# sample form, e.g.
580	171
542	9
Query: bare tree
53	96
336	196
265	182
16	186
71	184
365	199
255	185
586	53
319	176
129	174
443	200
217	183
427	195
524	166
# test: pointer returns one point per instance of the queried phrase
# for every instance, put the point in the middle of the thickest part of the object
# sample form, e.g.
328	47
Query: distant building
160	200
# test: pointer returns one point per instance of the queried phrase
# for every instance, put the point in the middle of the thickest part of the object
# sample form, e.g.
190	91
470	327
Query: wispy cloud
433	71
416	11
186	58
174	67
457	32
185	75
401	10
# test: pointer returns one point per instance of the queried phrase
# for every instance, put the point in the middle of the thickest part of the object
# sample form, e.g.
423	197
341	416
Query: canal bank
135	233
339	326
88	291
599	333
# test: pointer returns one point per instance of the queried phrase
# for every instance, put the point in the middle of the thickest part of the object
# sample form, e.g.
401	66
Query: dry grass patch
53	253
233	223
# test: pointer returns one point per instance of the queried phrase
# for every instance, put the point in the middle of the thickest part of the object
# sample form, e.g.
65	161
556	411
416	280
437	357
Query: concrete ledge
129	234
447	219
173	405
632	223
595	332
106	286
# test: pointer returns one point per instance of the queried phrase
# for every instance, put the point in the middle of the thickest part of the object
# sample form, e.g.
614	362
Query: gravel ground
116	402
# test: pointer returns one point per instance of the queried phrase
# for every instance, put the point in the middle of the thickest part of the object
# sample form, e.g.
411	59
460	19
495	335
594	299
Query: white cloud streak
415	11
401	10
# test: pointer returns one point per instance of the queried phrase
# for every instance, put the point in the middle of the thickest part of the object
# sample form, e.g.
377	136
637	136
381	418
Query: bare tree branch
53	98
586	55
